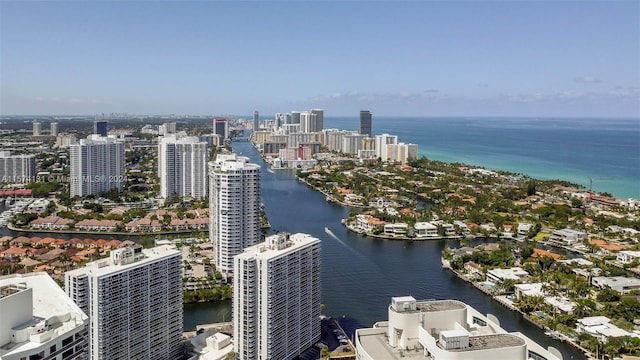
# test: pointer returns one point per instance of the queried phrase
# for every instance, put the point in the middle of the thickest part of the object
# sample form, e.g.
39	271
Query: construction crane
591	185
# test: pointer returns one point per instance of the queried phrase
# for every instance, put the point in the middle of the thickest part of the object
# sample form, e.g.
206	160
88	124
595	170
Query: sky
394	58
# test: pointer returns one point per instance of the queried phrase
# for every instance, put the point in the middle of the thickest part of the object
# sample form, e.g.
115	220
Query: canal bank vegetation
593	304
425	199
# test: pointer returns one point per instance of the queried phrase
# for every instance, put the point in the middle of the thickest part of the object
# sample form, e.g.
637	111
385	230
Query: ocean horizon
570	149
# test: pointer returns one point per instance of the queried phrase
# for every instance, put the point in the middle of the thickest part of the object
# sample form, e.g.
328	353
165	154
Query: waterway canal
360	275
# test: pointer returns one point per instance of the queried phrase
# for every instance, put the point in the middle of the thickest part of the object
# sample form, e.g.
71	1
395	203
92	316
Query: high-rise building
256	120
54	128
100	128
234	208
134	303
276	297
443	329
381	145
402	152
97	166
37	129
295	117
305	122
17	168
182	166
318	125
352	143
221	128
365	122
39	321
167	128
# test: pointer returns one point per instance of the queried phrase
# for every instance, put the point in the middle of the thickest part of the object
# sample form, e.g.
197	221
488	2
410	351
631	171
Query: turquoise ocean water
607	150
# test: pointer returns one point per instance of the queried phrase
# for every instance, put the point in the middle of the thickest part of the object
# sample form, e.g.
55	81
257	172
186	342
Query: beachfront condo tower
365	122
256	120
234	208
276	297
134	303
381	145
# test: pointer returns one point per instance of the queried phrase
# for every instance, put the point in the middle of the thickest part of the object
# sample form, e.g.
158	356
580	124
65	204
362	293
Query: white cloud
396	97
587	80
70	100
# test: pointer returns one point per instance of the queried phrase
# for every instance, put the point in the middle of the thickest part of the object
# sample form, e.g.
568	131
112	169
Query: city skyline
400	59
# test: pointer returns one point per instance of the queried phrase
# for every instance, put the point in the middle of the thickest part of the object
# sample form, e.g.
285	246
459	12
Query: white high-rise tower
276	297
381	145
134	303
234	202
182	166
97	166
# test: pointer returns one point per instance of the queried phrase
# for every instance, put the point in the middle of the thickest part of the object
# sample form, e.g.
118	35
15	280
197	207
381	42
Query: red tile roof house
16	252
77	243
21	240
97	225
113	244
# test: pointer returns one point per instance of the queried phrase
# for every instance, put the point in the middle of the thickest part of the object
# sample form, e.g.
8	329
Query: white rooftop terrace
27	325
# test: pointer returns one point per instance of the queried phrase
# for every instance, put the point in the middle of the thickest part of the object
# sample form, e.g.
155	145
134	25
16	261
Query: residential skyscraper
318	125
352	143
134	303
365	122
295	117
256	121
234	208
381	145
54	128
167	128
221	128
402	152
276	297
97	166
182	166
37	129
17	168
39	321
100	128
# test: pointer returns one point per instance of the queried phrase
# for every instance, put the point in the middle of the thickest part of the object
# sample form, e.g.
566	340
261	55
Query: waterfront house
396	229
524	228
601	328
626	256
533	289
44	223
620	284
465	250
449	229
506	231
540	253
425	230
97	225
567	237
381	202
514	273
473	270
561	304
368	223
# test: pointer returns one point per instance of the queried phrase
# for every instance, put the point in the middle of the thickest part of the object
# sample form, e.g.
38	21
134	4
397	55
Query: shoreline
110	233
400	238
556	335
